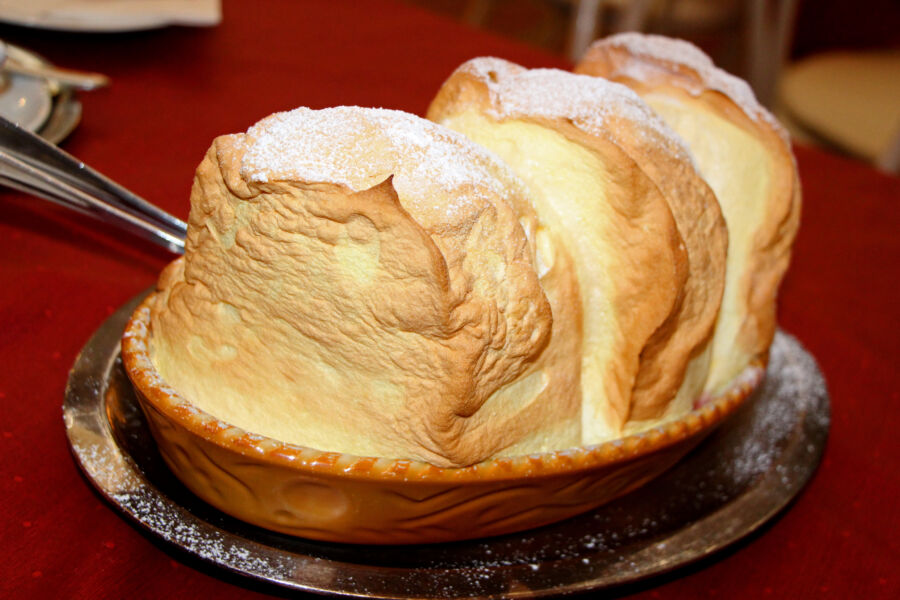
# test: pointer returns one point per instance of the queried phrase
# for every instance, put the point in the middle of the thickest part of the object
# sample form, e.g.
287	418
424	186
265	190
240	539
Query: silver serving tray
742	476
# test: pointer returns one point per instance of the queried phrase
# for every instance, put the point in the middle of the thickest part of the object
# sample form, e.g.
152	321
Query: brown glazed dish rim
320	463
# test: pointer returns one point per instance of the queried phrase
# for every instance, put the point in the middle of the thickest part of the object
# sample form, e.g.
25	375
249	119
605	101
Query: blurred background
830	69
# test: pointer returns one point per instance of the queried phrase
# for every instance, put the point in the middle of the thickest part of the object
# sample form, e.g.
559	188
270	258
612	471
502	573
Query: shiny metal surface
64	117
31	164
740	477
80	80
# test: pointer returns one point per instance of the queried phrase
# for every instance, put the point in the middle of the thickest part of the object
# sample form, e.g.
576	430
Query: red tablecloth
175	89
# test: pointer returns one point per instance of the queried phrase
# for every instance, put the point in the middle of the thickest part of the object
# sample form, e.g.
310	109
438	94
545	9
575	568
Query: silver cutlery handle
32	165
56	76
64	77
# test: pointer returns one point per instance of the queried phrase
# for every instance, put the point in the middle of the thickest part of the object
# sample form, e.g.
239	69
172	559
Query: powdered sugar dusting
670	50
174	525
797	380
360	147
590	103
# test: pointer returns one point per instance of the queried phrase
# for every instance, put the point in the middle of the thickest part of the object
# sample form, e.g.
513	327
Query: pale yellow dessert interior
737	167
567	185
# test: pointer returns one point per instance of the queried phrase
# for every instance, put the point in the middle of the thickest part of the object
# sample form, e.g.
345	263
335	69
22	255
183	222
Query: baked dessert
384	332
615	222
604	158
550	279
364	281
746	157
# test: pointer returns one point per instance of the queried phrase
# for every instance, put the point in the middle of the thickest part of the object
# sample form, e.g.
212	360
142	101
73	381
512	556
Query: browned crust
656	267
463	294
771	250
700	222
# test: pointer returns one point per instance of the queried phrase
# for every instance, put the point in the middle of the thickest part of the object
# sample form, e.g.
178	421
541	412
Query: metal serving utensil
78	80
34	166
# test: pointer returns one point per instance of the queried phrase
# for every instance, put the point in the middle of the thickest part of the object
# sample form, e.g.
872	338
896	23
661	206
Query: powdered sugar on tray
175	525
797	379
680	52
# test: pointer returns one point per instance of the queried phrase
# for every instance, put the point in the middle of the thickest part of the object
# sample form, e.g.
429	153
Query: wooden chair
850	100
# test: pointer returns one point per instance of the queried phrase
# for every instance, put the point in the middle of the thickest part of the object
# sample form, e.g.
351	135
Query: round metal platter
743	475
